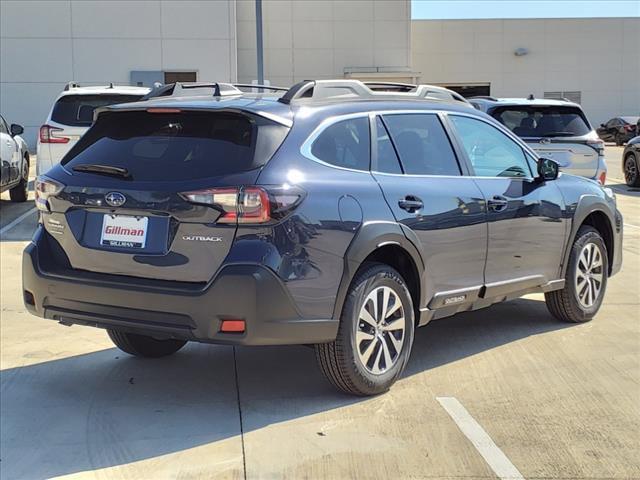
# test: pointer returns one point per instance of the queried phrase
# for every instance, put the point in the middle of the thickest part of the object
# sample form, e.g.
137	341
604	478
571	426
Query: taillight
48	135
248	204
629	128
597	145
44	189
602	178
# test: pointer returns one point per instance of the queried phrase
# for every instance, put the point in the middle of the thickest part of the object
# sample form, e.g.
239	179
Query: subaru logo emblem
115	199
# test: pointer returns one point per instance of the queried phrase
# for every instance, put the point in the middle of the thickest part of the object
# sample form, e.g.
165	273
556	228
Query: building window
572	96
184	77
470	90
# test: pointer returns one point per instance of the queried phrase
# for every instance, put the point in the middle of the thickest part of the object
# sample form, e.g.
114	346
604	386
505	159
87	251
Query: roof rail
260	87
390	86
484	97
349	89
71	85
178	89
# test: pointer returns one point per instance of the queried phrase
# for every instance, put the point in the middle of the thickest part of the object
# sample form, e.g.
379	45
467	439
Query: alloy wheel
380	332
630	170
589	275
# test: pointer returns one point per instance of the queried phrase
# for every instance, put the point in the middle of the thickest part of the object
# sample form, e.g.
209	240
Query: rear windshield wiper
559	134
102	170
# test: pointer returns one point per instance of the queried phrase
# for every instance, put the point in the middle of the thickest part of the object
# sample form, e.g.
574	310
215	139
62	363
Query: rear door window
345	144
422	144
178	146
77	110
543	121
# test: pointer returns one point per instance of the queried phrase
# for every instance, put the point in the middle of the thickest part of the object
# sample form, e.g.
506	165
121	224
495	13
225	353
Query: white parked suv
14	159
556	129
72	115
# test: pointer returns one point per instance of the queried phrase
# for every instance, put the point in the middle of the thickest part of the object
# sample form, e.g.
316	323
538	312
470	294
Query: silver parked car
556	129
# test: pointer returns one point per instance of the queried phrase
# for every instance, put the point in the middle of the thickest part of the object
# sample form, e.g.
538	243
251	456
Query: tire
143	345
631	170
572	303
619	140
356	362
20	192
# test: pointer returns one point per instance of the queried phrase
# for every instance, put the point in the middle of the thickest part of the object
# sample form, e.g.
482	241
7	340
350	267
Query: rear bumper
249	292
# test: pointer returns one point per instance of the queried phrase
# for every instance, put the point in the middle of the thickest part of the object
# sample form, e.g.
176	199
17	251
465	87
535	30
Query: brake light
48	135
163	110
602	178
249	205
46	188
597	145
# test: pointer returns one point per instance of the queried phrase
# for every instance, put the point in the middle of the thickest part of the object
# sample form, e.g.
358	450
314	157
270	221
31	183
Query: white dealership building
46	44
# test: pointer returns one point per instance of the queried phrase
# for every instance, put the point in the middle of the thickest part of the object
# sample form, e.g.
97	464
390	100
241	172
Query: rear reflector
232	326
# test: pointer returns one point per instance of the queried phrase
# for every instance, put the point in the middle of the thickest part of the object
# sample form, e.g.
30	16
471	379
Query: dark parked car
631	162
619	129
330	215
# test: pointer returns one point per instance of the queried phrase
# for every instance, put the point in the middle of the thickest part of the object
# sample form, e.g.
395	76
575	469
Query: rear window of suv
543	121
178	146
77	110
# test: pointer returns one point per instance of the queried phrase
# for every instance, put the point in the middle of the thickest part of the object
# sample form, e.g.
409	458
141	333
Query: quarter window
491	152
345	144
422	144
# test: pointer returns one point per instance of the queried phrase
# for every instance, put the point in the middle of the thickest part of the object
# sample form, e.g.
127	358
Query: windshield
176	146
543	121
77	110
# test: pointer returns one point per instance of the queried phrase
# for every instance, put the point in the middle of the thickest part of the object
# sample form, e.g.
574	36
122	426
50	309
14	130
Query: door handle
498	203
410	203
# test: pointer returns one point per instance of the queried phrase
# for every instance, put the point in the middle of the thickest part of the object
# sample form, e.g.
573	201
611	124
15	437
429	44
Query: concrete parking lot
559	401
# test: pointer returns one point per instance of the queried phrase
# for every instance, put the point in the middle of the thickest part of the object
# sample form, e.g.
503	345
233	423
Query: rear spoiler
268	115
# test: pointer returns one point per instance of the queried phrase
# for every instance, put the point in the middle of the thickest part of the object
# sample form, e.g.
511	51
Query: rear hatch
158	193
71	117
559	132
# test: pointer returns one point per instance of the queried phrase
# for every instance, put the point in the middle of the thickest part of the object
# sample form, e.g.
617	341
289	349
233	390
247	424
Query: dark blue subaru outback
333	214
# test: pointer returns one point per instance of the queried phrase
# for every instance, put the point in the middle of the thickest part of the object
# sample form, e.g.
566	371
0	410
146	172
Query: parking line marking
631	225
495	458
8	227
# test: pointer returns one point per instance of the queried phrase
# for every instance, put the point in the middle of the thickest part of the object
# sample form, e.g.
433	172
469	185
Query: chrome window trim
305	148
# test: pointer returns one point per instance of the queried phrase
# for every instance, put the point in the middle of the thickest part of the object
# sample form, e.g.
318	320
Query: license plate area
124	231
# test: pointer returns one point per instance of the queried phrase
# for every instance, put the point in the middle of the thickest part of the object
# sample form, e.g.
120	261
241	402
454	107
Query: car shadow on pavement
624	189
105	409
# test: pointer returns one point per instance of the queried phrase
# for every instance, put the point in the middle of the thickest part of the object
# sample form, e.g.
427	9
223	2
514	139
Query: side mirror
16	129
548	169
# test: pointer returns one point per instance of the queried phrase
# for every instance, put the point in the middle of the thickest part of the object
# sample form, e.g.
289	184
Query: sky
455	9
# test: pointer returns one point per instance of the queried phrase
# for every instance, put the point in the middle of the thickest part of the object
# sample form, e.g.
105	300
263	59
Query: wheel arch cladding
593	212
383	242
600	221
